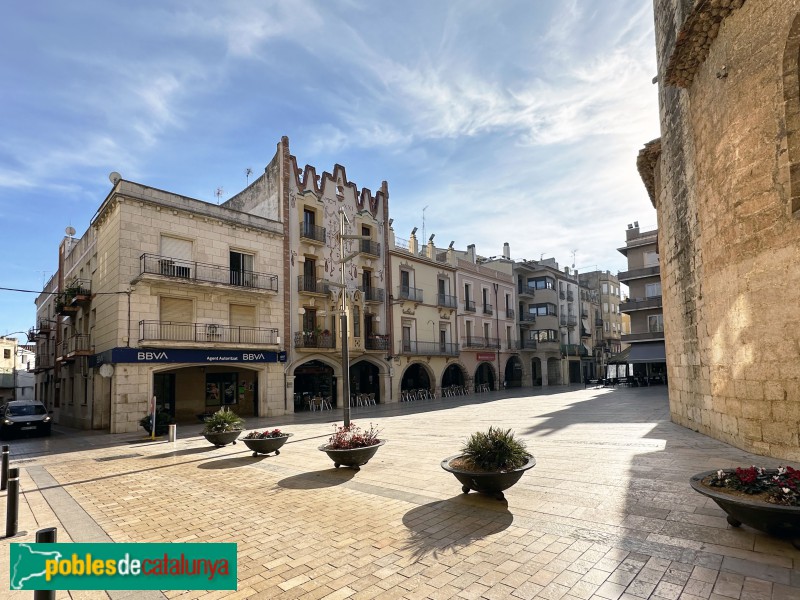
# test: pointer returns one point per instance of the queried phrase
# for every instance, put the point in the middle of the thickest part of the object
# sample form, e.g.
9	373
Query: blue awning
647	352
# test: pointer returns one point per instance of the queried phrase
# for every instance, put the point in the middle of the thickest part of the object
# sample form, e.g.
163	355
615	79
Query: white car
24	417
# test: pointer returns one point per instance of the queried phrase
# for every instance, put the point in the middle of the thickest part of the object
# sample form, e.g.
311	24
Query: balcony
372	294
598	322
64	305
625	276
377	342
405	292
370	248
469	305
509	313
488	309
525	290
185	270
76	345
584	313
311	285
312	233
523	344
570	297
446	300
480	342
568	320
44	362
647	336
429	348
314	340
562	295
78	292
527	318
208	333
574	350
640	304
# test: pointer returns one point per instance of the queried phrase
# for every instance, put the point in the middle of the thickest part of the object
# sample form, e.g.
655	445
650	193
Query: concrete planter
493	484
351	457
266	445
774	519
223	438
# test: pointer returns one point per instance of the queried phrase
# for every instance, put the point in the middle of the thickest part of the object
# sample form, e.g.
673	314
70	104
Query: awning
587	349
585	323
647	352
621	358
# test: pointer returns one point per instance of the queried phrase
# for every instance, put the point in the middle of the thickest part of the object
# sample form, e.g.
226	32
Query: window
356	321
542	310
486	331
405	280
406	338
546	335
605	288
467	292
650	259
542	283
242	269
655	323
6	352
606	326
243	322
309	320
652	290
605	307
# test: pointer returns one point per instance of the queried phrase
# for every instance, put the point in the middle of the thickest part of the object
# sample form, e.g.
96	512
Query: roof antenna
423	222
219	193
247	172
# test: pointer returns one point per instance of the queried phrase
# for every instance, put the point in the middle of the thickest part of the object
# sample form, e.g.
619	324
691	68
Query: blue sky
512	121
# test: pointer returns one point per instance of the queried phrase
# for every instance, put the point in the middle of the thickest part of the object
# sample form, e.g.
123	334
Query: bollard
173	433
12	503
4	470
45	536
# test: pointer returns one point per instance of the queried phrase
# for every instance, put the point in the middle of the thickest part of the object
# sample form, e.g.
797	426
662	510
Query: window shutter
175	310
176	248
242	316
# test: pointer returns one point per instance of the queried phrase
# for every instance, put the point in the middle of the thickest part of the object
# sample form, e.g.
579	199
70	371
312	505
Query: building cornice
646	164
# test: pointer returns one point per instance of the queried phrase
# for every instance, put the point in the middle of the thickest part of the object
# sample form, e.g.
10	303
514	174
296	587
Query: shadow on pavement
184	452
318	479
232	463
448	525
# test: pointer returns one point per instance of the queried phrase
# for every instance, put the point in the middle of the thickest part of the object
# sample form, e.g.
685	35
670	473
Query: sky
492	122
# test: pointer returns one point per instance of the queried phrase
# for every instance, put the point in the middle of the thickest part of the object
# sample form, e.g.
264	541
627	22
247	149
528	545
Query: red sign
485	356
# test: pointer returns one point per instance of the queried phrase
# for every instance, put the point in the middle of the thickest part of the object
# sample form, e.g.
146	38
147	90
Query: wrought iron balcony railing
523	344
527	318
372	294
469	305
188	270
446	300
377	342
509	313
205	332
480	342
312	232
312	285
370	247
314	340
488	309
409	293
429	348
574	350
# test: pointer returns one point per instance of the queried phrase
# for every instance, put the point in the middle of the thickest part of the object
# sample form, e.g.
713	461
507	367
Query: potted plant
765	499
352	446
163	421
490	462
223	427
264	442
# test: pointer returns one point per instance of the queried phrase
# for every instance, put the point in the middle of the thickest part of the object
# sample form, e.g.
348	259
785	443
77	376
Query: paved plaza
607	512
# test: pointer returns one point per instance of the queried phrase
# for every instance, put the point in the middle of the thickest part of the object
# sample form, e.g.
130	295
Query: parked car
23	417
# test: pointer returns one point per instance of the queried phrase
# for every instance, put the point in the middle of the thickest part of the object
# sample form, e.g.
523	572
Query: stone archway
416	377
454	374
536	371
313	378
365	379
513	373
485	375
553	371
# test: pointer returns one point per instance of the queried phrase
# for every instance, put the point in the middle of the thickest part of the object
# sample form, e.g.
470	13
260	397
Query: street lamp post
343	321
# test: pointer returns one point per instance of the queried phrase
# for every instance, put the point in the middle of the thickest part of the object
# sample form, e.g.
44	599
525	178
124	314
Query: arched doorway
513	373
536	371
313	378
484	375
364	379
415	378
453	375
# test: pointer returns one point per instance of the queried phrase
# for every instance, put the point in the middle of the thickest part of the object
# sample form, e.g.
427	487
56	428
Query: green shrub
495	450
223	420
163	421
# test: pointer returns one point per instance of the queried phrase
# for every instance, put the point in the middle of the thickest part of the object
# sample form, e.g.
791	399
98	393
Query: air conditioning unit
212	330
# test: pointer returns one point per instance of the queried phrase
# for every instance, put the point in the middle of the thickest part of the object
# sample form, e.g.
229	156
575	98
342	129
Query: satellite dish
106	371
114	177
70	231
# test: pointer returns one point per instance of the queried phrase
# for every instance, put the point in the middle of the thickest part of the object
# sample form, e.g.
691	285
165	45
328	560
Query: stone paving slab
606	514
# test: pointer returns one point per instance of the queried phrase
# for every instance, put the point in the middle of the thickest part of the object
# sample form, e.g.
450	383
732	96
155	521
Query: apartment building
425	351
335	259
8	351
643	304
605	317
163	297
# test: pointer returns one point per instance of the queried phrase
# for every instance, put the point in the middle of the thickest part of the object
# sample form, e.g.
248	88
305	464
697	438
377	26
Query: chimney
413	247
506	251
471	253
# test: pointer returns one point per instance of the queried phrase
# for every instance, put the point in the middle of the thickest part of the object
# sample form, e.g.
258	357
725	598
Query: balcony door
241	267
175	319
176	257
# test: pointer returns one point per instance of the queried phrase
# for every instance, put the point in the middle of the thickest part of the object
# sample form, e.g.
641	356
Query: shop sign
486	356
185	355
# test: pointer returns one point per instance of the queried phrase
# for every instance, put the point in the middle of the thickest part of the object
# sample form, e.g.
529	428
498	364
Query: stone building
604	316
8	352
725	180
